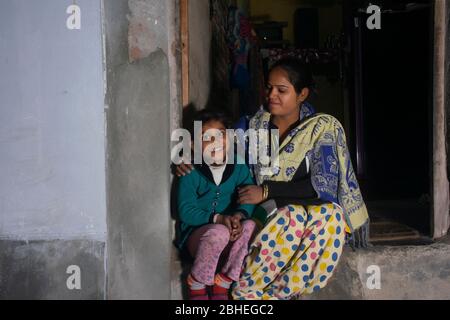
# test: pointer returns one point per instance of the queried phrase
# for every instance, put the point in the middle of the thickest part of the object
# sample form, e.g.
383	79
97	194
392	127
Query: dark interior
378	84
393	101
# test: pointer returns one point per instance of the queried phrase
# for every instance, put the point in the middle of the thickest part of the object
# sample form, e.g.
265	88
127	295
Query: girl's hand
250	195
226	221
236	220
236	232
233	223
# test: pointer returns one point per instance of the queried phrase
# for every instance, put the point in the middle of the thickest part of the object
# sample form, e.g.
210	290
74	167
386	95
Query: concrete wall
138	120
199	52
38	269
52	186
73	193
447	84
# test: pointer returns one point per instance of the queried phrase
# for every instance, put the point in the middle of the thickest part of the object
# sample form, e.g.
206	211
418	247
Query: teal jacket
199	198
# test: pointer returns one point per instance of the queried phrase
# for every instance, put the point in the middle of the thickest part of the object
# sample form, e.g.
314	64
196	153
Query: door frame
440	219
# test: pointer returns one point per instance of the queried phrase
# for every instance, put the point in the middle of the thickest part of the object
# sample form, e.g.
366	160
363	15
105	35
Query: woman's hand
183	169
250	195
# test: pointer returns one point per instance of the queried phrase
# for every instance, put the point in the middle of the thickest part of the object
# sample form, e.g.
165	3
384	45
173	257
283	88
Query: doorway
377	83
391	108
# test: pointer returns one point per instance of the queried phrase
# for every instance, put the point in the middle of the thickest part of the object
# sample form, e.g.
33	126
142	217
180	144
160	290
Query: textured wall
199	52
38	269
447	95
138	149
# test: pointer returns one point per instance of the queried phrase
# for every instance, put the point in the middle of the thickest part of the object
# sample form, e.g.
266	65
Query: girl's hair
299	74
207	115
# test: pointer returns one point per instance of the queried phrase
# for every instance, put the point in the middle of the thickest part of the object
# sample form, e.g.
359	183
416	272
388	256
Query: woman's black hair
299	74
208	115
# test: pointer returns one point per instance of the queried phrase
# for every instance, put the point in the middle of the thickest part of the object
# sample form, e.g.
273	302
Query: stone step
406	272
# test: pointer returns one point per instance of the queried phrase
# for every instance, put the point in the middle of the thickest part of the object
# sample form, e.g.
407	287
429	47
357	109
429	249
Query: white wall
52	163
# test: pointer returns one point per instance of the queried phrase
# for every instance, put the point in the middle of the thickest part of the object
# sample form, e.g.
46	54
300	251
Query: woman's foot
196	290
221	287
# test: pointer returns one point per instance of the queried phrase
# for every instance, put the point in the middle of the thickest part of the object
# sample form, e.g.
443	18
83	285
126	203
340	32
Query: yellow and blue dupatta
320	138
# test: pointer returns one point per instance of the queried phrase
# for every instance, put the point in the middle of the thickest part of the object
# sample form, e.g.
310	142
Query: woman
313	186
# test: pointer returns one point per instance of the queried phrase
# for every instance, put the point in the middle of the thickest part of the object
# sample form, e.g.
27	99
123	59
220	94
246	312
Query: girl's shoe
219	293
199	298
220	297
198	294
221	287
196	290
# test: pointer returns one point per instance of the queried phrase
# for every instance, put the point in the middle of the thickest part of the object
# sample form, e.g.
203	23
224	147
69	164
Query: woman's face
282	98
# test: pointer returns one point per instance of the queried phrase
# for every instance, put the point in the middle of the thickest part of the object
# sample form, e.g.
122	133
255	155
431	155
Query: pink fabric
210	243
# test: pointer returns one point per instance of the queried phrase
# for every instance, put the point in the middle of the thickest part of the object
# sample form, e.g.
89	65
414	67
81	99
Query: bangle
265	191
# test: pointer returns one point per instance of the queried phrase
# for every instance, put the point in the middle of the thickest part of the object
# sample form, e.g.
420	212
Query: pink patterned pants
211	244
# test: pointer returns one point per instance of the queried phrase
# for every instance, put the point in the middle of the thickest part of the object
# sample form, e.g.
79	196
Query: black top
297	191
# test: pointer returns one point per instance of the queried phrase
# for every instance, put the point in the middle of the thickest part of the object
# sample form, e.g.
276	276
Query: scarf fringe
359	239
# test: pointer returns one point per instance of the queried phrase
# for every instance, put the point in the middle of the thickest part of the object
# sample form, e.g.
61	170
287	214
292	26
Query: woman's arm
302	189
183	169
245	179
298	191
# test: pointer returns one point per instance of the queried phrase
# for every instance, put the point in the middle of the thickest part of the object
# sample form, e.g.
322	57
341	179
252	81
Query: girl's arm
188	210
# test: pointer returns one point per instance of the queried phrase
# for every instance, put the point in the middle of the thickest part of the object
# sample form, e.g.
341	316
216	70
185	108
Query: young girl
213	227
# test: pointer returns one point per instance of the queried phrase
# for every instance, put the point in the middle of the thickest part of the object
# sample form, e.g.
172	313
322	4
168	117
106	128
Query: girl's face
214	142
282	98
